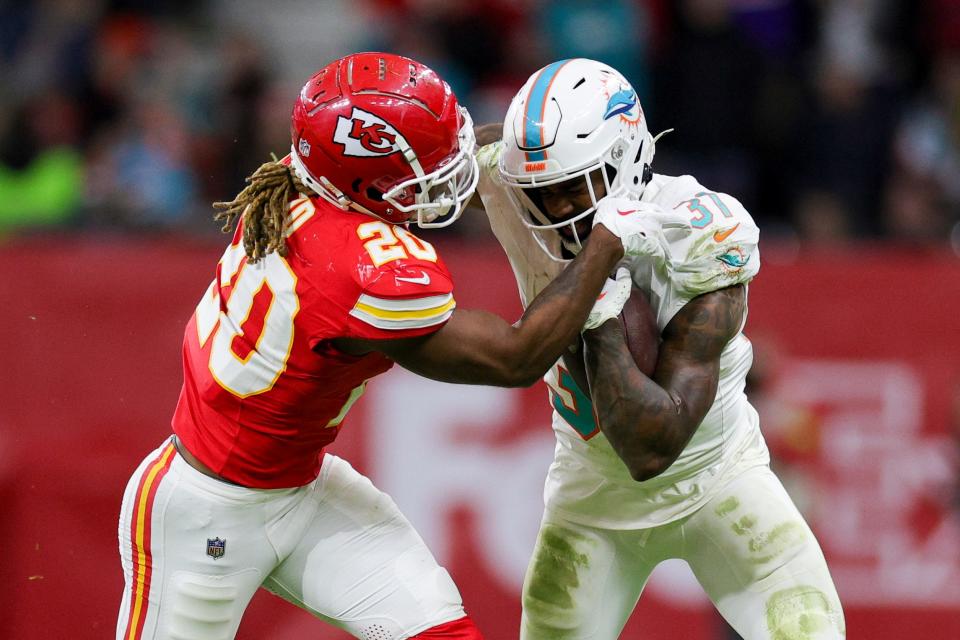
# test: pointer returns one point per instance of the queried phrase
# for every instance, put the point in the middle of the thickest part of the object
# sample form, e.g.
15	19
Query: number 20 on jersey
252	339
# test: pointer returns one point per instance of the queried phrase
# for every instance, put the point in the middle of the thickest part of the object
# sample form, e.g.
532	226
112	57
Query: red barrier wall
860	356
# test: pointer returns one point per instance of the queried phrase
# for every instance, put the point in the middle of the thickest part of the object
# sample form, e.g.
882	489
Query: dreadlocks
262	206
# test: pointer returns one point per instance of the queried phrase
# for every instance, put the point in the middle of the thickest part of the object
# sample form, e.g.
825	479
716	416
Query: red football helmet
384	135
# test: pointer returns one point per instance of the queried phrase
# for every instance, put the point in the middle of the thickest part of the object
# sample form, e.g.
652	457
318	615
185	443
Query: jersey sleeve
722	249
402	299
532	267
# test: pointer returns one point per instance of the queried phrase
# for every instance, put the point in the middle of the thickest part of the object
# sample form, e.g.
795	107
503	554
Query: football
641	331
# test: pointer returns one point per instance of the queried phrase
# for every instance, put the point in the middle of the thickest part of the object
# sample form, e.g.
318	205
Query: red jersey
264	390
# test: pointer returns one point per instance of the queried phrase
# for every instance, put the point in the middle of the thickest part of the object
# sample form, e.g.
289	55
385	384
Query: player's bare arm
477	347
488	133
650	421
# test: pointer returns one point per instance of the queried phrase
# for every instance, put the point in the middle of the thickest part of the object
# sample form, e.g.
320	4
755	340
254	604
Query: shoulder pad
412	291
722	250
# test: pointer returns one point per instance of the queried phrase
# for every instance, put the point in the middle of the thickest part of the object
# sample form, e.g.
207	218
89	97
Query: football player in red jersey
322	288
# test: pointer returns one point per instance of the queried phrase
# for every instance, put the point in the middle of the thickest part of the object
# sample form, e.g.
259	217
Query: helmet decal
533	137
622	102
304	148
366	135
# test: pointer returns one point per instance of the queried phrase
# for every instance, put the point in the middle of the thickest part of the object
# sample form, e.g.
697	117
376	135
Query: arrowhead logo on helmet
364	134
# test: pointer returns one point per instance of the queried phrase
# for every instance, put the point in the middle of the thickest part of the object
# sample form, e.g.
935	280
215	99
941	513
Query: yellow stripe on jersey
405	304
404	314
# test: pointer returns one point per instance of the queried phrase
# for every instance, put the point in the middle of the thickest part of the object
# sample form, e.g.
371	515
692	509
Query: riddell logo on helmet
532	167
366	135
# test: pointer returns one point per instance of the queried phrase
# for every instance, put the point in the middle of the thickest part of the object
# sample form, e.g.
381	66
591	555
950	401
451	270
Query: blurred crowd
831	119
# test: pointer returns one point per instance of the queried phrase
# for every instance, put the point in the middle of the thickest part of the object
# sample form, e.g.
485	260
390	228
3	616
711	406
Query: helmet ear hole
611	172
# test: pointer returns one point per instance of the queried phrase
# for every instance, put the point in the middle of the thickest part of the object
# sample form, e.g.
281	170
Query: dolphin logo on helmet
623	101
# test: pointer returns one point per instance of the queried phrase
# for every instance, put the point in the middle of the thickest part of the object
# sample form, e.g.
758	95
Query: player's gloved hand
609	304
640	225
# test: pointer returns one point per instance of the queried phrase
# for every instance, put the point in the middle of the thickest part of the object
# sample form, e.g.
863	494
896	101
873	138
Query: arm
650	421
477	347
488	133
485	134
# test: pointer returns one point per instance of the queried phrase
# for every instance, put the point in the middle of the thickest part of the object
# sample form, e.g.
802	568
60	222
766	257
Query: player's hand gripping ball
615	293
639	324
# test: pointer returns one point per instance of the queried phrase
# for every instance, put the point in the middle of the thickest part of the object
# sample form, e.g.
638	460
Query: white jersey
587	481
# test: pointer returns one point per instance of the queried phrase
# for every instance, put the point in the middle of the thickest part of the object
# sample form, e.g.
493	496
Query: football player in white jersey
646	468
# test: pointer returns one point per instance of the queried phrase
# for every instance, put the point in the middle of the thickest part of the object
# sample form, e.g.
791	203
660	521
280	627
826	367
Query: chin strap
324	188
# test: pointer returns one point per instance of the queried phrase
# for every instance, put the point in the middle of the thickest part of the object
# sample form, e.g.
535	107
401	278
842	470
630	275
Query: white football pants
195	549
749	547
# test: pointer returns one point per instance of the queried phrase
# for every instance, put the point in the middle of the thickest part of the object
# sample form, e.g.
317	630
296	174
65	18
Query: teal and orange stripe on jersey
536	108
141	534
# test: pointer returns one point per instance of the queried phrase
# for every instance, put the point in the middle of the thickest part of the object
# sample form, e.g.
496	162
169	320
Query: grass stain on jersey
800	613
489	155
555	572
703	270
728	505
744	526
775	541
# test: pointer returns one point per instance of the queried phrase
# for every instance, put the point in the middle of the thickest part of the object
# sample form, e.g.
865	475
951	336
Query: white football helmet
571	118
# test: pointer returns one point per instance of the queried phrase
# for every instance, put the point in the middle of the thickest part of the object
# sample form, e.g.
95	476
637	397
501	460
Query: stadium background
836	122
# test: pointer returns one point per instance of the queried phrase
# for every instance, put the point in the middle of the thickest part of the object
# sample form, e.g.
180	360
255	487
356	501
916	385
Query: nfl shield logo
216	547
304	147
